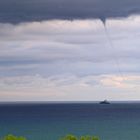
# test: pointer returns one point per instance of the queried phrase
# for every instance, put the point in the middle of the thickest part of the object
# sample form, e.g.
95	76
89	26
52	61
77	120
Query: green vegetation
72	137
67	137
12	137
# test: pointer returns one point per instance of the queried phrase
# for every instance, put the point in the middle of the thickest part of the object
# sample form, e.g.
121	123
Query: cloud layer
70	60
69	88
79	47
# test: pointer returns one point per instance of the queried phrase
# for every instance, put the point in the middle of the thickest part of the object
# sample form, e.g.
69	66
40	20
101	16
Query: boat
104	102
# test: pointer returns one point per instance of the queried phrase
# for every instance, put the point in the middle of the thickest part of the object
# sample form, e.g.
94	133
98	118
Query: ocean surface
116	121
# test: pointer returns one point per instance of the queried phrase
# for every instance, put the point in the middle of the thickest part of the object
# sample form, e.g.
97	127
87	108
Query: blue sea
51	121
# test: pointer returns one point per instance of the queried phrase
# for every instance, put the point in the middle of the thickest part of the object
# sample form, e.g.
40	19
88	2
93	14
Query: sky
69	50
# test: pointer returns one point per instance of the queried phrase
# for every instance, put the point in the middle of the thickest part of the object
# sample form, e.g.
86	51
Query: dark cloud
15	11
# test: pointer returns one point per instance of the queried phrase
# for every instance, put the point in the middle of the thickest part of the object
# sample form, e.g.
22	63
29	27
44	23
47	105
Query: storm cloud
15	11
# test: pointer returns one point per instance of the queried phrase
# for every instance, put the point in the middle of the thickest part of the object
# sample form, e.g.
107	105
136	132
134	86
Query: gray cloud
70	60
15	11
80	47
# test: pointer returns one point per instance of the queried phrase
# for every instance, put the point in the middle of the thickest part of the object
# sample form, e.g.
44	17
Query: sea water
51	121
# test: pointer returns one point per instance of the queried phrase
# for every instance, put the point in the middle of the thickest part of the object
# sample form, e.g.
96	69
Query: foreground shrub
12	137
67	137
72	137
89	138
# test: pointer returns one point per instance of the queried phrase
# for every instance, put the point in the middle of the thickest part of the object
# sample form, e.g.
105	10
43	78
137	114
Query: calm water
51	121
